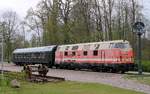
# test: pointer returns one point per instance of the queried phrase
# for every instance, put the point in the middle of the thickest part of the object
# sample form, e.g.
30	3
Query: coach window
32	55
24	56
66	54
39	55
43	55
95	53
85	53
18	56
15	56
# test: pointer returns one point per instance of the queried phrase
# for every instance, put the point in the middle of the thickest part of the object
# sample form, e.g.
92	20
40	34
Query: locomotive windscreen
120	45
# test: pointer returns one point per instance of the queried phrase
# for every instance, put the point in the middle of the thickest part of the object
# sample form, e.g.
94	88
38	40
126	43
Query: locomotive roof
35	49
101	42
104	44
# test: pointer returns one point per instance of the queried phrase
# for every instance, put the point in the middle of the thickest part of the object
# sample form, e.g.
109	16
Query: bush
146	66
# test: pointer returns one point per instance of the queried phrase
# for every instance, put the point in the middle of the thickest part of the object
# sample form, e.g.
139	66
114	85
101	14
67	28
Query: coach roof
35	49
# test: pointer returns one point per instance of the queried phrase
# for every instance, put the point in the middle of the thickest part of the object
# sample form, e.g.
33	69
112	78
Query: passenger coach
35	55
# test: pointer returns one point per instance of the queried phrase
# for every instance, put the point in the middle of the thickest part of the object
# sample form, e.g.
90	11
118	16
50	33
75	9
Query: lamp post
139	30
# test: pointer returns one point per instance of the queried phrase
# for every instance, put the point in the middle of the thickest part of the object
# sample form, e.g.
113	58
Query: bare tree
11	24
34	24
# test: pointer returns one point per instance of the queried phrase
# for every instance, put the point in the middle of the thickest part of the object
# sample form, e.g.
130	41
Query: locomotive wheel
122	71
114	70
96	69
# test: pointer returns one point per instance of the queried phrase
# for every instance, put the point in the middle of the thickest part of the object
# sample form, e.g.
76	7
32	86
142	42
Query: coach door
61	56
103	56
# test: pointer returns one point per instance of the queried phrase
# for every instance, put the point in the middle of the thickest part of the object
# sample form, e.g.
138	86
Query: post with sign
139	28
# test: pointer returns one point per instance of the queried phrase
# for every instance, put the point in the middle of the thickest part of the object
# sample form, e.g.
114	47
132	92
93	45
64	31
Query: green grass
66	87
145	79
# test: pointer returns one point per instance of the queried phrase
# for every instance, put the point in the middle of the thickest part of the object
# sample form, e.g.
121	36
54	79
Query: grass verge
145	78
60	88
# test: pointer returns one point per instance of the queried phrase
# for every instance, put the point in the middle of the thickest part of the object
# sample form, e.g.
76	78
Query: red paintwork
109	56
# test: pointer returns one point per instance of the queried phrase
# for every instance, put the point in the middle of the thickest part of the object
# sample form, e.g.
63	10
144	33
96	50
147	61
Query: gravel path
116	80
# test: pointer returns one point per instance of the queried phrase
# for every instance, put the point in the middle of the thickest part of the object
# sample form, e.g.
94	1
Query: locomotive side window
73	53
85	53
95	52
66	54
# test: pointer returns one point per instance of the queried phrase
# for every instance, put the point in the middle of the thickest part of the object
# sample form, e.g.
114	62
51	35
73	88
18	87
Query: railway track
112	79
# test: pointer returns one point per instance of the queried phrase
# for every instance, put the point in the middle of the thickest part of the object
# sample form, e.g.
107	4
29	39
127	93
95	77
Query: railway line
112	79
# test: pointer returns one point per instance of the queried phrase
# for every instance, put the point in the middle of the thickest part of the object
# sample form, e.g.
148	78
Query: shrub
146	66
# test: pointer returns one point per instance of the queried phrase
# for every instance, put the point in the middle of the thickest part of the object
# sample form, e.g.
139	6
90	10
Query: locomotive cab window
121	45
95	52
85	53
66	54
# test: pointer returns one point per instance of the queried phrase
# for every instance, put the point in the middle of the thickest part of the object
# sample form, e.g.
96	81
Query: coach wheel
57	66
50	66
115	71
69	67
62	66
111	70
72	68
16	63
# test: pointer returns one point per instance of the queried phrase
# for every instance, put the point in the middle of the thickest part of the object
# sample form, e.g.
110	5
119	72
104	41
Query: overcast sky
21	6
146	10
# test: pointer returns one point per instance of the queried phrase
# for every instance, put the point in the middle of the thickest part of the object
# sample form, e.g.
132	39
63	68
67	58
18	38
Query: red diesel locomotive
100	56
112	56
